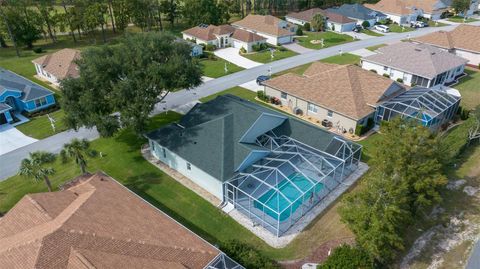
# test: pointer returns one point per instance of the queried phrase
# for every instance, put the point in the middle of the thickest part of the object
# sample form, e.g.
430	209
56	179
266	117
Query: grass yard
374	48
237	91
395	28
345	58
436	23
266	56
215	67
371	33
460	19
470	89
39	127
329	39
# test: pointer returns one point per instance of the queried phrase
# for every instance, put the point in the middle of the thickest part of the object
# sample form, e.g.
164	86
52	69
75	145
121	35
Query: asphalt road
10	162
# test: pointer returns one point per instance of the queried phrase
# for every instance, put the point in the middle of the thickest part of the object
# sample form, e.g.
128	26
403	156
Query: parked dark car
358	29
261	79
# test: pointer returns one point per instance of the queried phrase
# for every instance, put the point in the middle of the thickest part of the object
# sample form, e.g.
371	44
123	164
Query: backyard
265	56
329	39
214	67
469	88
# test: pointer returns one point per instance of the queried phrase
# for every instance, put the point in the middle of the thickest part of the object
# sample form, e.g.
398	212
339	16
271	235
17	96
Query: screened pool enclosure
431	107
277	190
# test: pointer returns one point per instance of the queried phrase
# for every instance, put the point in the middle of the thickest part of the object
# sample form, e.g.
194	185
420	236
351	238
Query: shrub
281	48
348	257
210	47
359	130
400	80
307	26
38	50
247	255
42	112
299	31
243	50
463	113
260	95
373	70
386	75
365	24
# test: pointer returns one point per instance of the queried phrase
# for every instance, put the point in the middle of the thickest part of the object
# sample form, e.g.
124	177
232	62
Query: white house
57	66
463	41
246	40
415	64
359	13
335	22
219	36
275	30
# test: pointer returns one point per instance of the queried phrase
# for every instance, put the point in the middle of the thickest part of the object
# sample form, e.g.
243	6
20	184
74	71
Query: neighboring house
415	64
98	223
197	50
18	94
335	21
344	95
275	30
246	40
460	41
359	13
219	36
270	167
58	65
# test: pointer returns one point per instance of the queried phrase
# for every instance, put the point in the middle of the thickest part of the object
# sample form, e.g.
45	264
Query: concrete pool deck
297	228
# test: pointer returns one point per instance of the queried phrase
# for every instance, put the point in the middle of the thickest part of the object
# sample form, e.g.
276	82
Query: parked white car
382	28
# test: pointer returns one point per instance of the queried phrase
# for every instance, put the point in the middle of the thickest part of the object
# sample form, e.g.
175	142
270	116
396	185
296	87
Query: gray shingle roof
419	59
356	11
208	136
4	106
30	91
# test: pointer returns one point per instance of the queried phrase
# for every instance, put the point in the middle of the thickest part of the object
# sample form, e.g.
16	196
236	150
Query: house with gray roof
416	64
269	166
18	94
359	13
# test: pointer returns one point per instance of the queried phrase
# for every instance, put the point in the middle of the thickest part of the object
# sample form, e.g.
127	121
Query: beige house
463	41
58	65
341	95
275	30
335	22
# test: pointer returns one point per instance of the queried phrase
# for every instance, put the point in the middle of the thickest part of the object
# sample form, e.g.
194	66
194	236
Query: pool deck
297	228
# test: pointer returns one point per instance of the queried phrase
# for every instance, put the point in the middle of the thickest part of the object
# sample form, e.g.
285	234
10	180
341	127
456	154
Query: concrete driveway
363	52
232	55
11	139
297	48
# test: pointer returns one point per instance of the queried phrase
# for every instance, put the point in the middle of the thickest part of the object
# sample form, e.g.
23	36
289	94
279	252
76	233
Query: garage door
285	39
238	44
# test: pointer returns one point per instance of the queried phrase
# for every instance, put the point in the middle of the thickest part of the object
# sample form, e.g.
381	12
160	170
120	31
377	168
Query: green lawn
374	48
329	39
470	89
238	91
436	24
345	58
215	67
395	28
299	70
459	19
266	56
370	32
40	128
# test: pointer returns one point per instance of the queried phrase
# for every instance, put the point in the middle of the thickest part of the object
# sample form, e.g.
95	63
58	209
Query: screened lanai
431	107
279	189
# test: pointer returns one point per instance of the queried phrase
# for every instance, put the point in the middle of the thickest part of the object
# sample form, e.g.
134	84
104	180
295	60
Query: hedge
348	257
247	255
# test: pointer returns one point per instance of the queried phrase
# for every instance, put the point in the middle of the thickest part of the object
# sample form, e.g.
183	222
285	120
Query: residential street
10	161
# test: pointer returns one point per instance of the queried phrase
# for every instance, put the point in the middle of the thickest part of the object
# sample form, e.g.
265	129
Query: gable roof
345	89
405	7
246	36
264	24
61	63
217	128
419	59
356	11
30	90
462	37
96	223
307	15
209	32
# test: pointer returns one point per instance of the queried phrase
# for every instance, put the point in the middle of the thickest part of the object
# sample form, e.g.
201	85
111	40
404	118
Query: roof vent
417	49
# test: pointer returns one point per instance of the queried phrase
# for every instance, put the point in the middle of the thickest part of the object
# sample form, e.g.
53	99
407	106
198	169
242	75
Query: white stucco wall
195	174
199	41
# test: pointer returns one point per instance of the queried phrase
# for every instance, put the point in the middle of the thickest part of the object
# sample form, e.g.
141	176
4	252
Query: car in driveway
418	24
358	29
261	79
382	28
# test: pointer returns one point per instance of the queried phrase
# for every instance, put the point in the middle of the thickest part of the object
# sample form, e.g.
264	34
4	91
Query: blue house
18	94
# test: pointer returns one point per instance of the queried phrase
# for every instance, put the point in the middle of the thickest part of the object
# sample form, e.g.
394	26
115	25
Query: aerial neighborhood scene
231	134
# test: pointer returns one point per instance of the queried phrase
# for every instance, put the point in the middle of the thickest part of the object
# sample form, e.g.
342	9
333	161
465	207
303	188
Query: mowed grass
371	33
345	58
460	19
266	56
329	39
374	48
395	28
215	68
238	91
39	127
469	87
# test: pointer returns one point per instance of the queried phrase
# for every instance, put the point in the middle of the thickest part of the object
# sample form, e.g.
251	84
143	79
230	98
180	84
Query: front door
11	102
221	42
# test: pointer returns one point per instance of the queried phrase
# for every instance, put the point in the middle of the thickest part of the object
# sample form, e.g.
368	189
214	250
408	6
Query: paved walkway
232	55
295	47
12	139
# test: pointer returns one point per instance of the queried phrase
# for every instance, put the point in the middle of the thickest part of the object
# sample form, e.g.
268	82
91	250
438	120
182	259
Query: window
189	166
419	81
385	68
330	113
153	146
164	153
40	102
283	95
48	75
458	69
312	108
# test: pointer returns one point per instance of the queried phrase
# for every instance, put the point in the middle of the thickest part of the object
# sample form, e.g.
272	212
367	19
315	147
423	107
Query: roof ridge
36	204
353	80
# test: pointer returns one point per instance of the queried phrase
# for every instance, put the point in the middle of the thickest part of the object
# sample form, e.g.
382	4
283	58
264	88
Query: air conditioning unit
298	111
326	123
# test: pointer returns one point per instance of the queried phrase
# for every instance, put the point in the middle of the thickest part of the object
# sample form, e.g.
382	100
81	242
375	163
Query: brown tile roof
263	24
405	7
307	15
209	32
246	36
465	37
345	89
419	59
97	223
61	63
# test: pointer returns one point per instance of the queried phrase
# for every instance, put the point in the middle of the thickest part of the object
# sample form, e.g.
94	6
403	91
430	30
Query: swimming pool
278	203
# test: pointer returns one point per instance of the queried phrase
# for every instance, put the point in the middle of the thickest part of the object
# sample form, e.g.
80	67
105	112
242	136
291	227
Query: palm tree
77	150
34	167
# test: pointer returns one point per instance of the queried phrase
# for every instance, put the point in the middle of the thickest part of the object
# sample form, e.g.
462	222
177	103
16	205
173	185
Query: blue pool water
278	203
